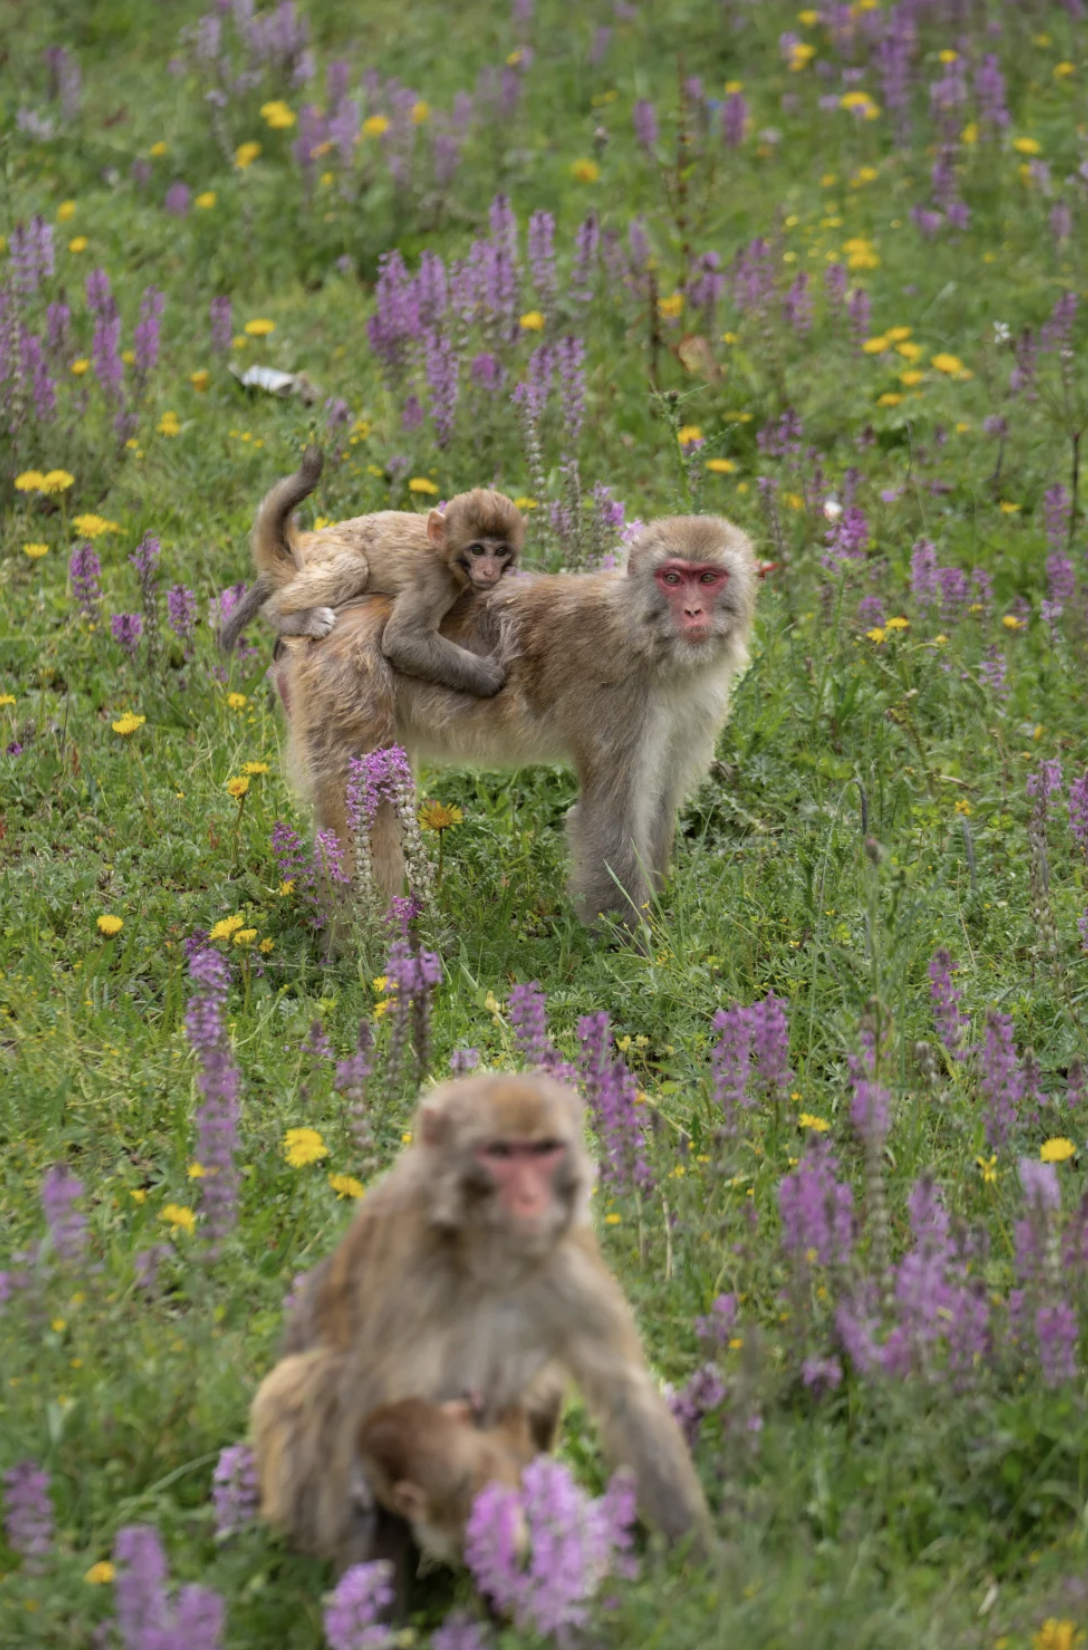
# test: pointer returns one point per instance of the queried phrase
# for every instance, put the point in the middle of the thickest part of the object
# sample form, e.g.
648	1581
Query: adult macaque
427	1463
626	675
471	1267
424	562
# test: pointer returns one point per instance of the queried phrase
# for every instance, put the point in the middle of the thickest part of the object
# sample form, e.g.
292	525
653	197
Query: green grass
868	804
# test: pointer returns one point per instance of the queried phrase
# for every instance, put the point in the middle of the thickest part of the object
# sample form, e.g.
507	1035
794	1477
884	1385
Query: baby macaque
427	1463
424	562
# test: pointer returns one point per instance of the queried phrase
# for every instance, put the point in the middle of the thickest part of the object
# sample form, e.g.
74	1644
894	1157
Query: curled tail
274	550
272	540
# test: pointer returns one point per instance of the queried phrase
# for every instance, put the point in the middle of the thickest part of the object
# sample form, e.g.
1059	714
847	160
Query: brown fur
424	562
596	676
430	1295
427	1463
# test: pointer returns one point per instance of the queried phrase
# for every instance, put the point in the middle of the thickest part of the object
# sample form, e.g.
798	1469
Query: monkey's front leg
433	658
610	850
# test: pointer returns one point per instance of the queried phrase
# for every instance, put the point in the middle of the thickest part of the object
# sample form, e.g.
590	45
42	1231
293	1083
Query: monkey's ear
436	529
434	1126
409	1500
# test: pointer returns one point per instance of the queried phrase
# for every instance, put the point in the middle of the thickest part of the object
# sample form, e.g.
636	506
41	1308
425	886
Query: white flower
1002	333
832	509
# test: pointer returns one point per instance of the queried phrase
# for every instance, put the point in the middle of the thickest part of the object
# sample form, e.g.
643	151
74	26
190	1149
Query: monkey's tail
272	538
244	612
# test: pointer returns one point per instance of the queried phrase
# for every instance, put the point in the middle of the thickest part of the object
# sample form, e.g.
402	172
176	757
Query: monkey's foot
319	621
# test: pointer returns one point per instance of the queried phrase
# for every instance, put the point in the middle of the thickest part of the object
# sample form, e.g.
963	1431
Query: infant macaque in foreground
427	1463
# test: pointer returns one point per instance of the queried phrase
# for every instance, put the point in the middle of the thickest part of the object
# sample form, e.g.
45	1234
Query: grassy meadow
821	271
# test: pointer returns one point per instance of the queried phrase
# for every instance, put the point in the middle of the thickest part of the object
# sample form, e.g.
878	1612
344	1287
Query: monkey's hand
492	678
310	621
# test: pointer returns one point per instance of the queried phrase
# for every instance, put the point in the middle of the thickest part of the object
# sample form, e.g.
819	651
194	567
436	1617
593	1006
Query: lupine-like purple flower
771	1046
28	1513
587	245
459	1632
60	1192
141	1586
145	340
100	299
1001	1080
754	276
127	628
702	1394
955	593
990	94
177	199
859	307
821	1375
870	1108
836	283
58	319
817	1210
533	392
573	1544
413	977
219	1082
945	998
443	379
924	586
1057	1333
488	372
527	1008
235	1489
31	252
220	311
645	119
716	1328
613	1102
570	358
352	1615
730	1062
541	249
847	539
42	389
734	120
84	568
181	612
1043	783
1061	587
1056	510
797	305
464	1060
106	355
1078	812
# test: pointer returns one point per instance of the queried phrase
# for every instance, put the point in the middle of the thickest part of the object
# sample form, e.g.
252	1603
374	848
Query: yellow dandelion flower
819	1124
898	335
109	925
206	200
898	623
911	378
266	947
197	1171
246	154
244	936
138	1195
1063	70
346	1185
420	484
79	367
420	112
66	211
56	481
381	1008
585	171
226	927
612	1220
303	1146
532	321
169	424
965	808
380	982
376	125
808	18
260	328
801	54
864	174
179	1217
237	787
254	767
1057	1635
1057	1150
439	816
7	698
237	701
1027	146
100	1574
890	398
526	503
671	306
200	380
128	724
948	363
78	243
793	501
1011	622
287	887
969	135
29	482
875	346
92	527
948	55
35	550
278	115
875	635
159	148
1007	507
688	434
720	466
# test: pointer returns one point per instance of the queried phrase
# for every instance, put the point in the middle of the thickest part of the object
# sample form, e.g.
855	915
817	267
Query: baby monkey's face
484	561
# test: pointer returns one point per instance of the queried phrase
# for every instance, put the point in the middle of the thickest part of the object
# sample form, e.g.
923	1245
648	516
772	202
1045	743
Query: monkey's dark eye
671	578
497	1148
711	578
476	549
544	1148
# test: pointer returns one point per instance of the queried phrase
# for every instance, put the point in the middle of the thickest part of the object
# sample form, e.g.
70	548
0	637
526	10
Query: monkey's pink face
523	1173
485	563
692	590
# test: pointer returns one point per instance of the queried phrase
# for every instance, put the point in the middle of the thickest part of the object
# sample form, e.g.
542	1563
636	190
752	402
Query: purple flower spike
67	1226
352	1615
28	1513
